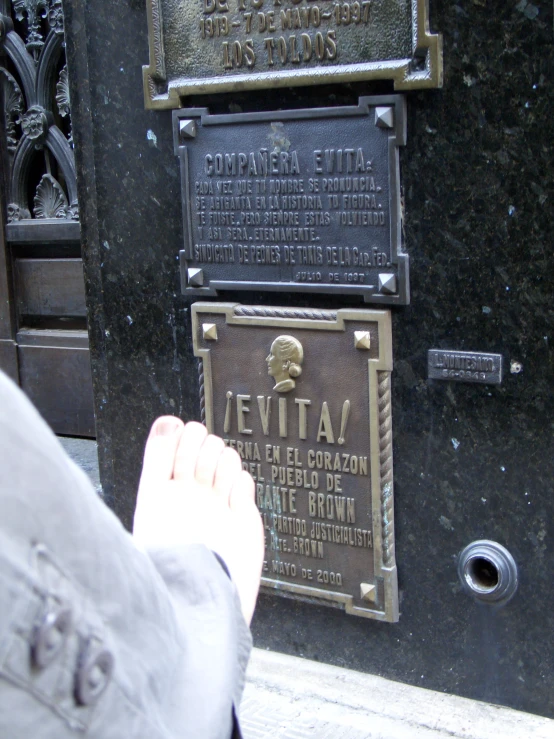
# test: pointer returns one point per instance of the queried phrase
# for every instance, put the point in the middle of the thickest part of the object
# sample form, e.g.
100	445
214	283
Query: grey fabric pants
96	637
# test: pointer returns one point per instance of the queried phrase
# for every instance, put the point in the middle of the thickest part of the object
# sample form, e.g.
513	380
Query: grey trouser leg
96	637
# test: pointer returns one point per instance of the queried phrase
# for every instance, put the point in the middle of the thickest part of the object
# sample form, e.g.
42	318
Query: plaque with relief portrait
303	395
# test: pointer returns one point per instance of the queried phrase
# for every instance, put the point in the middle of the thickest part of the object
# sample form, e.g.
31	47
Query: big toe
161	450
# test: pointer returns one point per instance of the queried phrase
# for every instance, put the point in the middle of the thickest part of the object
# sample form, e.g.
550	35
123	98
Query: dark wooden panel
6	306
56	250
50	287
43	231
64	339
58	381
8	359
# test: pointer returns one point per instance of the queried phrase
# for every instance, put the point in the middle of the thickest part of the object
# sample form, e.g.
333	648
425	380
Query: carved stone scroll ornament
55	16
63	100
13	108
33	11
62	93
50	200
34	123
14	213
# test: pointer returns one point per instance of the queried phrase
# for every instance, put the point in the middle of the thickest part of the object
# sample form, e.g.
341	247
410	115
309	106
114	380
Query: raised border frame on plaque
238	403
186	60
357	250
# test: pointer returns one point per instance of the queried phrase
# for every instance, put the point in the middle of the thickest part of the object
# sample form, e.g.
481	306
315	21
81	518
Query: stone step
293	698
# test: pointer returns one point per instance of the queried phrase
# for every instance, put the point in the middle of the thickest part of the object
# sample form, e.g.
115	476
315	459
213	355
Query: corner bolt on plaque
304	397
295	201
213	46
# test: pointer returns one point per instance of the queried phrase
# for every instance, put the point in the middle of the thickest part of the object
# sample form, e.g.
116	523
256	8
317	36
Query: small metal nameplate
214	46
444	364
294	201
304	397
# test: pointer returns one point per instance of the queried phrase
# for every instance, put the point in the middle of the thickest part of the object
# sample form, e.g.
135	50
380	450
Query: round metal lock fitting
488	572
93	675
50	636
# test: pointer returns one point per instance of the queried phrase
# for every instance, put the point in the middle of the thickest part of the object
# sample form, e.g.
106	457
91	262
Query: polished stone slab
471	461
290	697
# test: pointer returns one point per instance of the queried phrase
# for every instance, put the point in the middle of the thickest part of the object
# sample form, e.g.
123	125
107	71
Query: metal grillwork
42	182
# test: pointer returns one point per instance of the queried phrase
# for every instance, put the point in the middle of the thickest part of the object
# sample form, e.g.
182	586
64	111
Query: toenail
167	428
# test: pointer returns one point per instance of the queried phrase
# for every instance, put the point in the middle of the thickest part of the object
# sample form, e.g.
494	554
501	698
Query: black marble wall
470	461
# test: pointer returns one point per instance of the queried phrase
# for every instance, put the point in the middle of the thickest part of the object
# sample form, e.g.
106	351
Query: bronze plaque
209	46
304	397
295	201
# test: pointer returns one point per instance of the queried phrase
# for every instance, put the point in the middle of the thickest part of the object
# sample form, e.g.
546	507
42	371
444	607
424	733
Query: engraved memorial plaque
304	397
213	46
295	201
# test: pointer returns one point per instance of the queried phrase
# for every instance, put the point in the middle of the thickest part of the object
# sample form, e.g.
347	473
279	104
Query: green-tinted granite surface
471	461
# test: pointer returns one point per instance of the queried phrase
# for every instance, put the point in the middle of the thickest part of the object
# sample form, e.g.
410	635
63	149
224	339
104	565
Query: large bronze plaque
304	397
295	201
208	46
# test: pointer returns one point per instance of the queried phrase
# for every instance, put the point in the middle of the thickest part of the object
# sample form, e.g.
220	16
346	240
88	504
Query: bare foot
193	490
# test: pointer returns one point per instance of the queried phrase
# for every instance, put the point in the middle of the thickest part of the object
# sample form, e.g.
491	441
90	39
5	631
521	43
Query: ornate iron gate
43	331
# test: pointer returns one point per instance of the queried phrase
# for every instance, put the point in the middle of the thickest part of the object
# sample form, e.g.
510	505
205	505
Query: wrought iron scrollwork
55	16
62	93
33	11
13	108
37	111
63	100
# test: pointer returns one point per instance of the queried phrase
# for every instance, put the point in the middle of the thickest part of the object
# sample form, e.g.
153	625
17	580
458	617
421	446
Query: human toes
208	460
248	554
160	450
229	468
190	443
242	492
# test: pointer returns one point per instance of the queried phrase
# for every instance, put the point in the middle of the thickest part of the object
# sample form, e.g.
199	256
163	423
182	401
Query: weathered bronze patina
295	201
213	46
304	397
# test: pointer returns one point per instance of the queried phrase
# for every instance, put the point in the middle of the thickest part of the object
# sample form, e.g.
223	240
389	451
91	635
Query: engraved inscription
304	438
215	45
317	209
241	206
464	366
